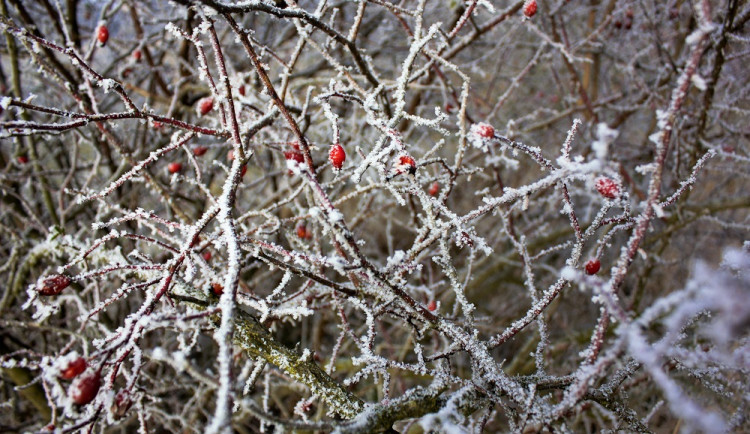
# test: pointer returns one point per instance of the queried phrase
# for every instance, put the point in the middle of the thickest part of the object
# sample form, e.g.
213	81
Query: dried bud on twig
121	404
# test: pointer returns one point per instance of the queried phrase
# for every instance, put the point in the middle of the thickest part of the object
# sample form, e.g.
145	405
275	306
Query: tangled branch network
373	216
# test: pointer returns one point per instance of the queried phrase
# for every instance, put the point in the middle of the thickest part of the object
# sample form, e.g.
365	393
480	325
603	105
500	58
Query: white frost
604	137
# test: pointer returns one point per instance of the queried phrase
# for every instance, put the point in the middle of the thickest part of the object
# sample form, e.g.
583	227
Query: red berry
337	156
607	188
205	105
102	34
432	306
486	131
53	285
242	90
174	167
158	125
592	266
207	255
302	231
406	164
448	107
529	8
137	55
243	170
295	156
199	150
84	388
406	160
217	289
22	159
434	189
74	368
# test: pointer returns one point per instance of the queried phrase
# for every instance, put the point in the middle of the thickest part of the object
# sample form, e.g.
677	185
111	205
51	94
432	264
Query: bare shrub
370	216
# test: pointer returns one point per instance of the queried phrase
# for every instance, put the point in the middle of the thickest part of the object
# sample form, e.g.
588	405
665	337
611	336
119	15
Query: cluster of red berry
84	387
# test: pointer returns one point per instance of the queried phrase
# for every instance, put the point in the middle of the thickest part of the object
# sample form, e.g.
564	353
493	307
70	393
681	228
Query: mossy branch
415	403
257	341
252	337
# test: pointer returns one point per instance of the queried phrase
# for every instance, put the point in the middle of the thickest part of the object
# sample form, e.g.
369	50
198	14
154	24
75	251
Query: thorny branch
362	216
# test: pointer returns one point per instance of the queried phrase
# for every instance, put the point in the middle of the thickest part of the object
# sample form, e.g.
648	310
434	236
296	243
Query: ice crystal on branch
374	217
